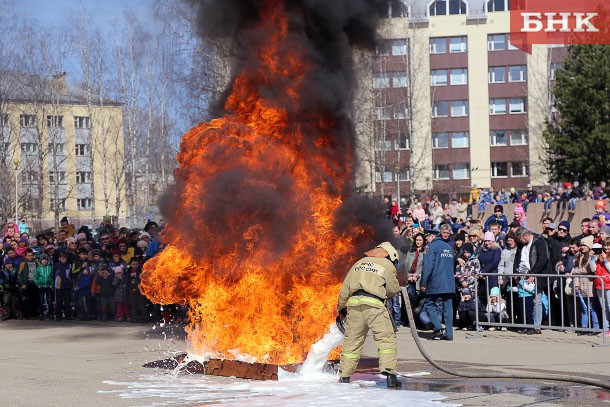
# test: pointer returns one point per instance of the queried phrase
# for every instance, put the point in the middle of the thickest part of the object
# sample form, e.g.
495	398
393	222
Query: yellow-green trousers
360	318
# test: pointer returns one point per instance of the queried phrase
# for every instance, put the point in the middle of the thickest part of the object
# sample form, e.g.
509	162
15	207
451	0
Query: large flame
261	282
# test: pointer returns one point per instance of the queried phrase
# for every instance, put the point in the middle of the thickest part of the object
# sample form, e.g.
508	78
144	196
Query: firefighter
368	284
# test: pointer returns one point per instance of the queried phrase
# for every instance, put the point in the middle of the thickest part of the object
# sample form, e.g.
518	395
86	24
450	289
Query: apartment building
450	103
62	152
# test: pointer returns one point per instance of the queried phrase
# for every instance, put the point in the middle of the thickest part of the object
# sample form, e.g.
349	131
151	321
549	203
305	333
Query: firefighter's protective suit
367	285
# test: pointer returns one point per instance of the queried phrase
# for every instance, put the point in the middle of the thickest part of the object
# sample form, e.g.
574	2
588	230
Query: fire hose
496	375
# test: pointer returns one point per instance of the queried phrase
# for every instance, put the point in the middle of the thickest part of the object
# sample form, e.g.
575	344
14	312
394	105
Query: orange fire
259	281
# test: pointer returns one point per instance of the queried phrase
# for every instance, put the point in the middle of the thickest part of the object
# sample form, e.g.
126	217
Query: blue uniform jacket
437	274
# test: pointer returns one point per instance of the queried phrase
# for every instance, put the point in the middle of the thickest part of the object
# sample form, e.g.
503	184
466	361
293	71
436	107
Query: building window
438	45
552	70
459	76
441	171
384	145
402	175
459	139
59	205
400	80
56	148
461	171
440	140
83	150
447	7
29	177
83	177
519	169
440	109
399	47
497	74
383	49
438	77
518	137
387	176
498	138
517	73
29	148
497	106
497	5
60	176
518	105
383	113
496	42
402	142
400	111
499	170
82	122
459	108
381	80
457	44
4	120
27	120
55	121
83	204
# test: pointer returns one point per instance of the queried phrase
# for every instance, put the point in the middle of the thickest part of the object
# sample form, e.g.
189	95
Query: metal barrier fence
554	306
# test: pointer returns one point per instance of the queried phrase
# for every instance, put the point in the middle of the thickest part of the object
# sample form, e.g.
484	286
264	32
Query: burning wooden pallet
231	368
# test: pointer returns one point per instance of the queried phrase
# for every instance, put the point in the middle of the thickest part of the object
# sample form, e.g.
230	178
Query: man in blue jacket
438	283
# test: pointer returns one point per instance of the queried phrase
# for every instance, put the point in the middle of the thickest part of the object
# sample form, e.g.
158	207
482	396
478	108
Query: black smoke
327	31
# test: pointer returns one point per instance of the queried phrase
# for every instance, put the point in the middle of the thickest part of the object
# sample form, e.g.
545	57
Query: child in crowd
468	308
137	301
43	278
10	295
104	279
63	287
82	291
496	308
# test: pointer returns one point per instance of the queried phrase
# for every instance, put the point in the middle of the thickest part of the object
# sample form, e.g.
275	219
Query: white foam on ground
310	387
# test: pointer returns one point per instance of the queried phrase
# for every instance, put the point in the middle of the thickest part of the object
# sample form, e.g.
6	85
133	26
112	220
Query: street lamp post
16	162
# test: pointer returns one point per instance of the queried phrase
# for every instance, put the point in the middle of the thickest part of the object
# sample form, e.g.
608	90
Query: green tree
578	138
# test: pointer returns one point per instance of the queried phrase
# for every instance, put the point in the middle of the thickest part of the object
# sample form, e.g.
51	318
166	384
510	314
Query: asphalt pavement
45	363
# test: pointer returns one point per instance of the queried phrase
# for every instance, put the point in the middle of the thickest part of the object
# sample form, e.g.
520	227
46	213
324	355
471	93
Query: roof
27	88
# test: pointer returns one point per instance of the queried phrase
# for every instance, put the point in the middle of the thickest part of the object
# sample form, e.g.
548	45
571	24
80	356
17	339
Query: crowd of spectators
506	250
79	273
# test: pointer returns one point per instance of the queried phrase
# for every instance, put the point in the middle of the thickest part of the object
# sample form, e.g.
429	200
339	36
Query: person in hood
366	287
498	217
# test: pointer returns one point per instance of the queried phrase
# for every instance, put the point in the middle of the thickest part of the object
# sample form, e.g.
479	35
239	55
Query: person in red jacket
602	270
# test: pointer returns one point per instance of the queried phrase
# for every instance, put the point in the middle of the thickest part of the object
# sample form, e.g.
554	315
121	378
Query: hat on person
45	257
460	236
115	252
552	226
519	209
64	219
23	240
587	241
144	234
81	236
102	266
71	240
96	251
567	184
32	240
489	236
385	246
433	232
514	224
466	291
495	292
498	208
605	229
142	244
50	246
468	247
601	204
565	224
6	246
